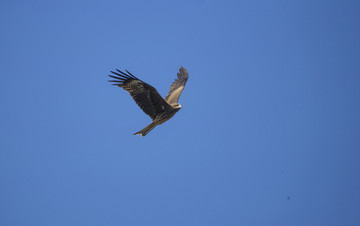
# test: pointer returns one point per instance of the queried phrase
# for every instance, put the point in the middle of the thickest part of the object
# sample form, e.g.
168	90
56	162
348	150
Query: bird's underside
149	100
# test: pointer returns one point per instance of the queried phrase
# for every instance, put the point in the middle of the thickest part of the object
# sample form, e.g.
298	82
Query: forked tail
146	130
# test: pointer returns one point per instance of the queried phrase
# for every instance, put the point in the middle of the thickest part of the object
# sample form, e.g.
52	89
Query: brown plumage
149	100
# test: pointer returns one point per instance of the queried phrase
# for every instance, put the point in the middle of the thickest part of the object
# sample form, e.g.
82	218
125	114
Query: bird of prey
149	100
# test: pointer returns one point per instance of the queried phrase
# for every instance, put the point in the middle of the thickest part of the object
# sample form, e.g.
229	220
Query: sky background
269	132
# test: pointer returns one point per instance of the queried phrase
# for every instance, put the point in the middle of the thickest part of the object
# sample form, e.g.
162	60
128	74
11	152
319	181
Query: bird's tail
146	130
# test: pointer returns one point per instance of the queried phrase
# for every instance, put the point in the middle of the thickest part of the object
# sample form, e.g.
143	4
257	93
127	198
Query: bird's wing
145	96
177	86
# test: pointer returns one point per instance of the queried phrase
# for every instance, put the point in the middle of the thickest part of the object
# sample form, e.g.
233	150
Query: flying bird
149	100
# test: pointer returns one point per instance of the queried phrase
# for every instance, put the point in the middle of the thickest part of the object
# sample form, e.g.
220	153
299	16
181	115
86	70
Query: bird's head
176	106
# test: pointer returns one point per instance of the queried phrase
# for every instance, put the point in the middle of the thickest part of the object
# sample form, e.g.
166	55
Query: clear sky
269	132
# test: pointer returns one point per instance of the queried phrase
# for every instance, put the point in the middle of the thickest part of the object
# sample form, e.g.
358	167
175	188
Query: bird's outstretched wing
145	96
177	86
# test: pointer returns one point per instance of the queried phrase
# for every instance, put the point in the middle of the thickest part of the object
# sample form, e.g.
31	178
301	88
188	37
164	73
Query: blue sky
268	133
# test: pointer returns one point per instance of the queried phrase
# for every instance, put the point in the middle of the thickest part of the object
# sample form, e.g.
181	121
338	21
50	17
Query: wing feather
145	96
177	86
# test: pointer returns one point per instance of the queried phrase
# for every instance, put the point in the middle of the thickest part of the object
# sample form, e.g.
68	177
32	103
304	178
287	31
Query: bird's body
149	100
